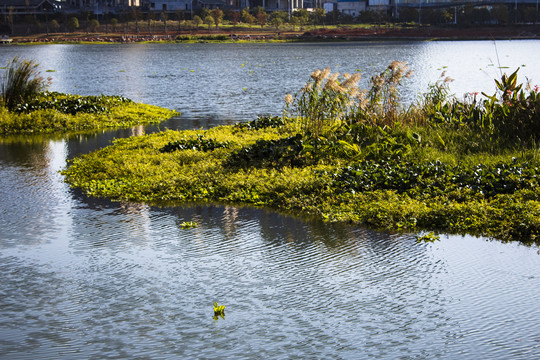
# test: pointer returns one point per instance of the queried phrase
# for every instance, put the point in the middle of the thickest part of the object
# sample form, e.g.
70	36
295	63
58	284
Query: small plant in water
219	310
188	225
427	237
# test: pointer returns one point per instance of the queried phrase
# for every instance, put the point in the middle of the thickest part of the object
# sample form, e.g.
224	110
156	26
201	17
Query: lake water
88	278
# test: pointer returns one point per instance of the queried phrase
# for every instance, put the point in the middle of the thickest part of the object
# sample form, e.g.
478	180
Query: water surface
88	278
232	82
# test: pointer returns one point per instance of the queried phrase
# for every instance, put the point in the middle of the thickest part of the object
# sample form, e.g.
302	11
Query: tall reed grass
327	101
20	82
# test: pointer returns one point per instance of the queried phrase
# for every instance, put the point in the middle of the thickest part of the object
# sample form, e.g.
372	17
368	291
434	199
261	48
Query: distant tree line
134	20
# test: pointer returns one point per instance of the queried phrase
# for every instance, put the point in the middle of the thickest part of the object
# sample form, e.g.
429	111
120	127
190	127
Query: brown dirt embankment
425	33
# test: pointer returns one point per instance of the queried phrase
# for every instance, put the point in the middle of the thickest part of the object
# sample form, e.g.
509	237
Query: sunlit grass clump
346	154
20	82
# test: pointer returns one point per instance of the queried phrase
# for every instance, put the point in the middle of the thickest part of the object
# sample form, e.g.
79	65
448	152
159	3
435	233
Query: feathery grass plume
384	107
289	99
327	100
351	82
323	102
21	82
437	101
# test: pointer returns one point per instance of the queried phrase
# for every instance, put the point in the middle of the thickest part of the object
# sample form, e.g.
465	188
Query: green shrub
269	153
202	38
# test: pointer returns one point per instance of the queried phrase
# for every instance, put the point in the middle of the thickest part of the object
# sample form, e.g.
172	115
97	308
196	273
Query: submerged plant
21	82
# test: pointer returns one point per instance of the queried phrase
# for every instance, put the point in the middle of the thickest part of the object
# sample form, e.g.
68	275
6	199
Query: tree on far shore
247	17
234	17
197	21
209	20
262	18
93	25
217	15
55	25
114	24
73	24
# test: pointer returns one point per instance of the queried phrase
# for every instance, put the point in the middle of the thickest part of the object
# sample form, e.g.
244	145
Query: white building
351	7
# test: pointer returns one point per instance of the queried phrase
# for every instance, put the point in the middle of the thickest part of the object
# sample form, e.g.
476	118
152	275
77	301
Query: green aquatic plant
198	143
427	237
219	310
513	113
71	104
61	113
269	153
261	122
188	225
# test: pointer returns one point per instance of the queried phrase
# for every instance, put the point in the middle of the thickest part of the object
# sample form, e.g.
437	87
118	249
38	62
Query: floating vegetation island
443	164
53	112
25	106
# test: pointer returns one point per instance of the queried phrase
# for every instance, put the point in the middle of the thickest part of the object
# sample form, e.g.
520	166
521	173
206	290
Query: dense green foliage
365	158
56	112
436	178
198	143
71	104
261	122
202	38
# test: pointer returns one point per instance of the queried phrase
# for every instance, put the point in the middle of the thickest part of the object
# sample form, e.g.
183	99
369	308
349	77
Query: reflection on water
88	278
